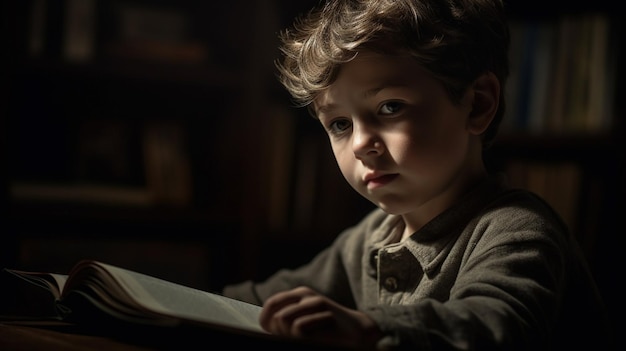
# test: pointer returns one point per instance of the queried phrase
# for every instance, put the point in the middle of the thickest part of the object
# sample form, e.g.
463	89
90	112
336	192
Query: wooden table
53	336
58	337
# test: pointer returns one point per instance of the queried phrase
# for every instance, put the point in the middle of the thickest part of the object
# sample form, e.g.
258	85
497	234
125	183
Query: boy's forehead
370	72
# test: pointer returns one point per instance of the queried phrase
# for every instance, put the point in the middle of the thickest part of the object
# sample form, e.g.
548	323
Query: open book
94	292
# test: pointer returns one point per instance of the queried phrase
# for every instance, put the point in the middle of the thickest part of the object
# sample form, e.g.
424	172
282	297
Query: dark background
163	143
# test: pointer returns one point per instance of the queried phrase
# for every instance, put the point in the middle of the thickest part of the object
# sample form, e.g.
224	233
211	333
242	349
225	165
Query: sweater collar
430	244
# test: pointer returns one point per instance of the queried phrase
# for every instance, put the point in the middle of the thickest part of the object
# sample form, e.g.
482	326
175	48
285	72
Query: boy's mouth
374	181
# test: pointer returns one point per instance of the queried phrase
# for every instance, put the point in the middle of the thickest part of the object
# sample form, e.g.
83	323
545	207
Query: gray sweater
498	270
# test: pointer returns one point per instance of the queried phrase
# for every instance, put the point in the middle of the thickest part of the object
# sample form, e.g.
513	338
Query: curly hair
456	40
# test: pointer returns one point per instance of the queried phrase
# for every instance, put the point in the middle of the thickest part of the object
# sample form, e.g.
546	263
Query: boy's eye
339	126
390	108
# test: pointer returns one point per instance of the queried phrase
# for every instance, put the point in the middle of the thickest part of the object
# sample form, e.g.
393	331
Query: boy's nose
365	142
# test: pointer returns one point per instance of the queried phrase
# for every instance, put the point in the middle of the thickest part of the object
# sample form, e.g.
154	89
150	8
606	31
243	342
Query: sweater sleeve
326	273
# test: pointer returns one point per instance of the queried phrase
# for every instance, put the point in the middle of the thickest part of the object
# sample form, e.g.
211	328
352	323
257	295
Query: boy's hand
304	313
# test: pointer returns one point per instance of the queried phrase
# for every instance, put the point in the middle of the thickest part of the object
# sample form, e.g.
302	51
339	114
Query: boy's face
396	135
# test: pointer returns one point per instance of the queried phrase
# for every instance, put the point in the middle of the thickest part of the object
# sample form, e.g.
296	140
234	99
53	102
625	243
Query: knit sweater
498	270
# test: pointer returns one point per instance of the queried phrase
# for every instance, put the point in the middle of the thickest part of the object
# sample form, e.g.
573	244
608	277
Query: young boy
410	93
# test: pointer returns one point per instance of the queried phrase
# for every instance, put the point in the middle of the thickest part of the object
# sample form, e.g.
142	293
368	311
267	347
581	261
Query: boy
410	93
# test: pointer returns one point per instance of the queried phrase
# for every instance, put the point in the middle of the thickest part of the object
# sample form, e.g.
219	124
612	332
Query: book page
50	281
184	302
29	295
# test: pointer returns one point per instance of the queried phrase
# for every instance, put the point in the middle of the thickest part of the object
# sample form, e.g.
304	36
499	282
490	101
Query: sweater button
391	284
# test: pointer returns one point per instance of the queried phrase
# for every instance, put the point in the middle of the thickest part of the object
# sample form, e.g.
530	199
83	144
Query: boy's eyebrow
371	92
392	85
325	108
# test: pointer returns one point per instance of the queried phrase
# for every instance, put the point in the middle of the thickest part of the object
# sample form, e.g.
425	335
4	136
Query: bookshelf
572	154
120	121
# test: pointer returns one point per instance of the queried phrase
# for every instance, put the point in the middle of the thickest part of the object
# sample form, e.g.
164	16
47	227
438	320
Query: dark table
52	336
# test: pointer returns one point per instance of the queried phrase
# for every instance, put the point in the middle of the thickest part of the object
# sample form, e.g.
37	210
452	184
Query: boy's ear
485	102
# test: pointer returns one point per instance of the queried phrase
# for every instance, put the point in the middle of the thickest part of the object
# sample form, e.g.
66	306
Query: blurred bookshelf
563	133
121	123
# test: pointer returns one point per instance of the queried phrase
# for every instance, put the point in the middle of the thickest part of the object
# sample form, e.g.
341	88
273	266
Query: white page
188	303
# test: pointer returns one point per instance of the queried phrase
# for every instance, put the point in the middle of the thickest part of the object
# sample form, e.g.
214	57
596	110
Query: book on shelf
562	74
80	30
539	75
156	34
167	163
94	293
